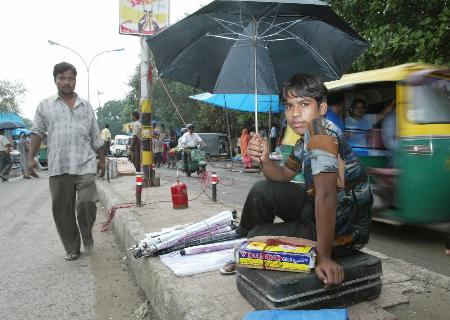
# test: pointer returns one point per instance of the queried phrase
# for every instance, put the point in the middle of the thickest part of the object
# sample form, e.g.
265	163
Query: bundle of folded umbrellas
217	228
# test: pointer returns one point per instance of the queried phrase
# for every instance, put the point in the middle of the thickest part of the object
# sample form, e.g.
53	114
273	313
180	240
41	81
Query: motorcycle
195	163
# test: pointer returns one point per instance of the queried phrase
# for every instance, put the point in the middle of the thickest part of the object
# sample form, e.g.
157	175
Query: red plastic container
179	195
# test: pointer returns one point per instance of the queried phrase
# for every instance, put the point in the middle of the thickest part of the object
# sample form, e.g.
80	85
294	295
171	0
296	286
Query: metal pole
86	65
146	115
256	86
107	170
138	189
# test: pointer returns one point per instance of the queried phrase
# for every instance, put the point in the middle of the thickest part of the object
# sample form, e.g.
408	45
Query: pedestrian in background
273	138
24	148
106	137
158	148
136	136
5	158
73	138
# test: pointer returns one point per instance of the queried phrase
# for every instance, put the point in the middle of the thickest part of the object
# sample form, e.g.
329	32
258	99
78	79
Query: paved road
37	283
422	246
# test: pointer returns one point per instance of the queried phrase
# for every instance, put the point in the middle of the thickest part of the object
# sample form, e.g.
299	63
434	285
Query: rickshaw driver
324	208
189	141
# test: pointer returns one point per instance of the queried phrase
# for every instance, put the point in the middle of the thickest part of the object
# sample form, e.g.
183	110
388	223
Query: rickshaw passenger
359	122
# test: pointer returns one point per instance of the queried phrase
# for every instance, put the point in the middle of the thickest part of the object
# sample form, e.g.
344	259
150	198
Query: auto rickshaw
411	183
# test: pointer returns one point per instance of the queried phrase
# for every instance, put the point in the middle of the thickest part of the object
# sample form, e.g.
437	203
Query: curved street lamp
87	65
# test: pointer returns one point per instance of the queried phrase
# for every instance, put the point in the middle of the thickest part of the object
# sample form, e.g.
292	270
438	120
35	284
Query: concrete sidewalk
213	296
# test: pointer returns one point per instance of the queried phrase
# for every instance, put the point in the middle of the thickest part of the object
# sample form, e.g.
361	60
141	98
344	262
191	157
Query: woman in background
245	138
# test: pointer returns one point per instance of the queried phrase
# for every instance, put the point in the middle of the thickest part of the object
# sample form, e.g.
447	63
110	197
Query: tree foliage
399	31
10	96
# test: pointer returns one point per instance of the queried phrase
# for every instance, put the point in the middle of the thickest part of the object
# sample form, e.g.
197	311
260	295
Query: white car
119	146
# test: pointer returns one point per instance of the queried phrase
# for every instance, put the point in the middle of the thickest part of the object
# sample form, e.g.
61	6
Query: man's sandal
228	268
74	255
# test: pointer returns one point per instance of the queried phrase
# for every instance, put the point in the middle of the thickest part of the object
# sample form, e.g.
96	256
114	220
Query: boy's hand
328	271
258	148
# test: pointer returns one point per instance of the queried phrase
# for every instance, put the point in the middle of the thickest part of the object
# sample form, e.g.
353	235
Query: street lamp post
86	65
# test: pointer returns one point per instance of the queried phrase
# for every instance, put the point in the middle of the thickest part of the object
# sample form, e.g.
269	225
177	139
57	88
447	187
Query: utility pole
146	115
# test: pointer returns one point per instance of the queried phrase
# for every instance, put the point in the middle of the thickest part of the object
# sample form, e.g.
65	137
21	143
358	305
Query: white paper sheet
198	263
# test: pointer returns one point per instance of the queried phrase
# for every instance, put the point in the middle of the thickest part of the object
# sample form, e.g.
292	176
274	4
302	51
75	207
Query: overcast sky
88	27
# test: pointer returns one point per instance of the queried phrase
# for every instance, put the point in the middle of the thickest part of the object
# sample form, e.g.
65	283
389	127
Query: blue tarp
324	314
242	102
11	116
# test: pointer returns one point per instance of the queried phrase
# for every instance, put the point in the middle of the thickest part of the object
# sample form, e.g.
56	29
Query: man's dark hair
135	115
358	100
107	126
63	67
335	99
304	85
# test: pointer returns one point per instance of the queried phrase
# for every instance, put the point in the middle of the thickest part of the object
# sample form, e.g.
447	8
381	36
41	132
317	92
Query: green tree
399	31
111	113
10	96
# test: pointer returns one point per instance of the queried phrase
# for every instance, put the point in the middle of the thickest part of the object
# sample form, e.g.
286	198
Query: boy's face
65	82
302	110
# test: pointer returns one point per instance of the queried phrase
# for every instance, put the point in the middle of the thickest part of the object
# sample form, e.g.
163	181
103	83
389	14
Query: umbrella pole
256	86
229	134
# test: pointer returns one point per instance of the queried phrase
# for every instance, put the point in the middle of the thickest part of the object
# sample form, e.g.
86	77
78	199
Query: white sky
86	26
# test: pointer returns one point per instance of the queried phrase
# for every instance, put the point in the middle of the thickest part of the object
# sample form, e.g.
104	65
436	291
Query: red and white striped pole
139	188
214	186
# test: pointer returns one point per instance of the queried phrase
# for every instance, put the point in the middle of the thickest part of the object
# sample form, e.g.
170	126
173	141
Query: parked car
119	145
217	144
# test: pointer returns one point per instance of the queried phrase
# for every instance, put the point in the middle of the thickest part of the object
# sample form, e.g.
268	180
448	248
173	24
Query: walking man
73	139
106	137
136	136
5	158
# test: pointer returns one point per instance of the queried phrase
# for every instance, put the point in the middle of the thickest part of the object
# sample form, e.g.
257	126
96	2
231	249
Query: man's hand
258	148
328	271
31	167
101	167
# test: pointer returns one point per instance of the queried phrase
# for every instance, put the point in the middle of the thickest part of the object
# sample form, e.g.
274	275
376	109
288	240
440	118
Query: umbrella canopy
242	102
235	46
10	125
213	49
18	132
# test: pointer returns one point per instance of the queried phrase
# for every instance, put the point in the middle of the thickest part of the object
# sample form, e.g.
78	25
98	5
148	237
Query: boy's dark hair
107	126
304	85
135	115
63	67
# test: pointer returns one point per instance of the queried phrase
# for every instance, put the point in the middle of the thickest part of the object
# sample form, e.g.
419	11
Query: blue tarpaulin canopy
242	102
10	120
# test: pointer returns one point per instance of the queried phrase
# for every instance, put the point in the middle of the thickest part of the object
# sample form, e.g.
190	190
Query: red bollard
139	188
214	186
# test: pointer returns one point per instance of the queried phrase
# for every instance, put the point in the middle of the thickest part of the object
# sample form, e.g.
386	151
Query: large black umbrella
232	46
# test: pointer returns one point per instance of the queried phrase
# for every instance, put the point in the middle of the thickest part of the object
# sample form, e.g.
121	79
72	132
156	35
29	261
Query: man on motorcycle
189	141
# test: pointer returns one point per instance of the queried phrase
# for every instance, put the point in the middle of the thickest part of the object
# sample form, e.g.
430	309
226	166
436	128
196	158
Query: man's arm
326	269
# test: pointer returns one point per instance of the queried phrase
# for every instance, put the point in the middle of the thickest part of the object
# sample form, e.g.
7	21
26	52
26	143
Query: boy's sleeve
323	149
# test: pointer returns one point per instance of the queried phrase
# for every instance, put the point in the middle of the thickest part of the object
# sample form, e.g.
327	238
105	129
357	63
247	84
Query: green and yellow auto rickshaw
411	181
